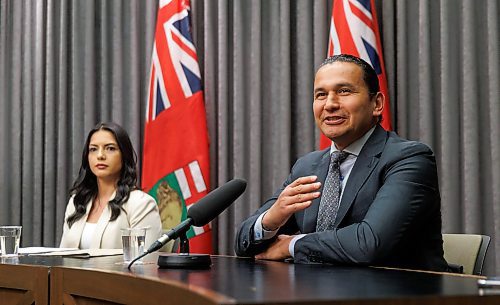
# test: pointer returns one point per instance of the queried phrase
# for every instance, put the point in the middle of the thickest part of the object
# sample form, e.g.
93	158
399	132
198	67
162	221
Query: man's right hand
297	196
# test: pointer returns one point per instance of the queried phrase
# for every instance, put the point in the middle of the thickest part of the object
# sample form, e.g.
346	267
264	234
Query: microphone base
184	261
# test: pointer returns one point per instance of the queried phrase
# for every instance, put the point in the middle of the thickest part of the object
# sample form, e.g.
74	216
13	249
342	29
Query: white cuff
259	232
291	246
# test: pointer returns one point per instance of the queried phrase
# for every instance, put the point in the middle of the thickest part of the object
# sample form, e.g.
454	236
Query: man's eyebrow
336	86
345	85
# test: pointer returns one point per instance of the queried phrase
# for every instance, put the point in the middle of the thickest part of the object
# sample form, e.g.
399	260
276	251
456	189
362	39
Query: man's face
342	106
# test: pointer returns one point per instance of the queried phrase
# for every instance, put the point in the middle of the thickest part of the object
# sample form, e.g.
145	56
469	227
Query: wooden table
233	280
23	284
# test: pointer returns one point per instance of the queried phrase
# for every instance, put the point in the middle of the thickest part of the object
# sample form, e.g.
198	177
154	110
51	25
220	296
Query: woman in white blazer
105	197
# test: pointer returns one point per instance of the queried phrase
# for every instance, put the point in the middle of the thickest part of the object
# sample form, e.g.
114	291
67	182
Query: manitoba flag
176	156
354	30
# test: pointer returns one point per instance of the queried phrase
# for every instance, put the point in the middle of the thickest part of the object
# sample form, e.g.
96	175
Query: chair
466	250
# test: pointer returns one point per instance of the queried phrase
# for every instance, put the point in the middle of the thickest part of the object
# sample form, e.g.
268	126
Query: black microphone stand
184	259
183	243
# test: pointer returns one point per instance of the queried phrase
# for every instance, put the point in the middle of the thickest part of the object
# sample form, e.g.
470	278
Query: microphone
205	210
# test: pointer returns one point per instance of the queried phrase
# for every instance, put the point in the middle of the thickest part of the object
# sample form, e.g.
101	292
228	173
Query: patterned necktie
330	199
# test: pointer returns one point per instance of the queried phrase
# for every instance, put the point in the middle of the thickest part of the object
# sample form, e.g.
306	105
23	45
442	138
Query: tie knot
338	156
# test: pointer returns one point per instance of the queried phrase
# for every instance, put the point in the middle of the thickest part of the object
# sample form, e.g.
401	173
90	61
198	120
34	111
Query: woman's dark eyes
107	148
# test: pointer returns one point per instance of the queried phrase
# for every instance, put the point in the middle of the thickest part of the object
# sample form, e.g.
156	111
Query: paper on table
72	252
489	282
38	250
86	253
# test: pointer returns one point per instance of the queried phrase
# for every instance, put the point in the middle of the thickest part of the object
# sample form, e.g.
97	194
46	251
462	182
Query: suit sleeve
245	244
144	212
70	209
408	190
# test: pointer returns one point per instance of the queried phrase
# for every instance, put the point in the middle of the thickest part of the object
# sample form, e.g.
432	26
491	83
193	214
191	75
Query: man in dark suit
379	204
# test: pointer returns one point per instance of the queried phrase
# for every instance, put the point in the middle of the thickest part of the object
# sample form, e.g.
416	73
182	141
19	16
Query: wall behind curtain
65	65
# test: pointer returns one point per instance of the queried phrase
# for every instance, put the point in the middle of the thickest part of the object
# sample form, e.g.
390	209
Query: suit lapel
99	230
75	234
320	169
102	223
365	163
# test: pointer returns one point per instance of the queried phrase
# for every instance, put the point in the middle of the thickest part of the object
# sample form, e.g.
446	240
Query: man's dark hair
369	75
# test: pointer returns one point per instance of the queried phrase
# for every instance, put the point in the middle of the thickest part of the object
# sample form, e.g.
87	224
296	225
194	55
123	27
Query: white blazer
141	210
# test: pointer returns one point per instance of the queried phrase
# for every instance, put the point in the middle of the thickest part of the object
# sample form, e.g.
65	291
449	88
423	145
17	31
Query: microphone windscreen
210	206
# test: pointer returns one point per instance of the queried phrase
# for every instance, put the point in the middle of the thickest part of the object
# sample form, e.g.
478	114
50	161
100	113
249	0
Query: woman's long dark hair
85	186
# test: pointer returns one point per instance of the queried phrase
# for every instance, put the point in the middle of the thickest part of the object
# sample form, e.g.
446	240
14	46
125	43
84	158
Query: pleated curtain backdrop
444	76
259	59
65	65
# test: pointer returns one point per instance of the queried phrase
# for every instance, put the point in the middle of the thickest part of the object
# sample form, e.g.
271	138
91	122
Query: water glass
9	240
133	240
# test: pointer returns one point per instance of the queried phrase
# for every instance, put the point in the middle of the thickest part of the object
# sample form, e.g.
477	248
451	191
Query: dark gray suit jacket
389	213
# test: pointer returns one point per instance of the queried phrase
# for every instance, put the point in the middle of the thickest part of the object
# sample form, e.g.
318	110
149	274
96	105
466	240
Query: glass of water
9	240
133	240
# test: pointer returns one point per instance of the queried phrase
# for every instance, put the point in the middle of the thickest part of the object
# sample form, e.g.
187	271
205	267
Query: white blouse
87	235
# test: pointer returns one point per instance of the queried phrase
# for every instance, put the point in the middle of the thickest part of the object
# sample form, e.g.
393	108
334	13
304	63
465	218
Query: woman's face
105	157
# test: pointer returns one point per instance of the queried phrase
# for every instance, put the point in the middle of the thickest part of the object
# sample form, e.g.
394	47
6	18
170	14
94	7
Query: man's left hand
278	250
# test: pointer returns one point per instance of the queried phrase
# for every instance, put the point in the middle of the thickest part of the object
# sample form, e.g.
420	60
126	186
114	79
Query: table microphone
198	214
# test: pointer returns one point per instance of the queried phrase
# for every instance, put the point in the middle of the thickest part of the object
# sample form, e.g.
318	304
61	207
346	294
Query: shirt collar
355	147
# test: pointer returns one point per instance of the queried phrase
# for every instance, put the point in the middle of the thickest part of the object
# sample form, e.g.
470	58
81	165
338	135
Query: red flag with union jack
354	30
176	156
